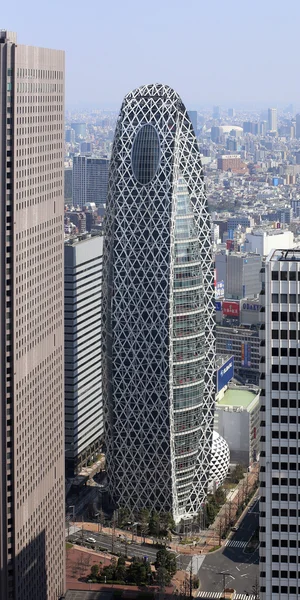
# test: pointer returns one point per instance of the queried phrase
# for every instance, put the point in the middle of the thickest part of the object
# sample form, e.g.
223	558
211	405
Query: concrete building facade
243	344
83	373
32	525
90	180
279	471
243	275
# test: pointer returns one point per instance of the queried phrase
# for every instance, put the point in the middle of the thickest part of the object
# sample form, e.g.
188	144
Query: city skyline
166	44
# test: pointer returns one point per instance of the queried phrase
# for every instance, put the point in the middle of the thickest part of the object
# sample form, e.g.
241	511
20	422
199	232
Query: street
105	541
238	569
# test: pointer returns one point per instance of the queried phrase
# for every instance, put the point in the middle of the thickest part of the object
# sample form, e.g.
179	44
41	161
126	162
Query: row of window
293	386
284	528
285	276
286	351
284	435
285	419
285	316
285	369
283	512
284	298
283	403
285	498
285	334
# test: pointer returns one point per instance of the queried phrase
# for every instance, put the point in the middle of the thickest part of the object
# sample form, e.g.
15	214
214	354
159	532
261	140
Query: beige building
32	332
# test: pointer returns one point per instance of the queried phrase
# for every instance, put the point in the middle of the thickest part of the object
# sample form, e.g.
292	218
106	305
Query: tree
95	571
144	516
167	560
237	474
123	516
167	521
220	496
163	577
154	523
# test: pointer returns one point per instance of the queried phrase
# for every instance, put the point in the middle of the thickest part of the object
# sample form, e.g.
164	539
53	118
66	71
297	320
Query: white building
237	421
279	474
262	242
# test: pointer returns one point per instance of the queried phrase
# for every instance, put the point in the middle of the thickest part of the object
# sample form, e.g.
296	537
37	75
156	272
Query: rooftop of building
238	397
291	255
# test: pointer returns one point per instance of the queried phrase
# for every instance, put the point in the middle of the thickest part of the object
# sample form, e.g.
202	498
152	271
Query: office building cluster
142	317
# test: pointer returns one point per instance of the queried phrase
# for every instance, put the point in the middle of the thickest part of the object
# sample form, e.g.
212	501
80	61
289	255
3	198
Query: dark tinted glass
145	154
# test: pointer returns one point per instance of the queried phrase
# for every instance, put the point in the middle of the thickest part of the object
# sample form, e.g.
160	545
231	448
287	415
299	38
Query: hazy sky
227	52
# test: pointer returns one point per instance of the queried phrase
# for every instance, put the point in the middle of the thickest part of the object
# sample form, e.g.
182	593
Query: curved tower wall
158	303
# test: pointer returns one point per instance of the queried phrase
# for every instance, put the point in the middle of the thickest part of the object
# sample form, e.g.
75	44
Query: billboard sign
250	306
225	373
219	290
231	309
218	306
245	354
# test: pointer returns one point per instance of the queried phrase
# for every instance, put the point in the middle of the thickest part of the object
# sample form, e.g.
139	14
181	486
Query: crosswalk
211	595
235	544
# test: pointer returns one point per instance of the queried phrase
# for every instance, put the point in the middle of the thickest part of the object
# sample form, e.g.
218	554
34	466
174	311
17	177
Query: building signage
245	354
249	306
225	373
218	306
219	290
231	309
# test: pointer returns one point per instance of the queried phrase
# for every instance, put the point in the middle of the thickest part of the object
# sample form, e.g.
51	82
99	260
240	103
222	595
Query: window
274	276
274	297
283	275
275	334
284	334
283	297
275	315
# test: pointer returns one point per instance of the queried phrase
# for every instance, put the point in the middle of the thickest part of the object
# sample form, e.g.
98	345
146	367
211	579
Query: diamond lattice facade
158	301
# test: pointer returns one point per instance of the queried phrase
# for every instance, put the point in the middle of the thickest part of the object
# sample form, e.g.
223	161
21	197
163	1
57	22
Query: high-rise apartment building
279	458
83	377
32	526
158	297
90	179
272	119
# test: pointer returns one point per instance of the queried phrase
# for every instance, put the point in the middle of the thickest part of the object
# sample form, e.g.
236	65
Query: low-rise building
237	421
243	344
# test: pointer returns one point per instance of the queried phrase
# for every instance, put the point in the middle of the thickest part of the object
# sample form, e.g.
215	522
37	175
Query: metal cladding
158	310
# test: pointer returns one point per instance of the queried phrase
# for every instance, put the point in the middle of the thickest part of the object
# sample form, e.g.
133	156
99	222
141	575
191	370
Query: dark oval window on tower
145	154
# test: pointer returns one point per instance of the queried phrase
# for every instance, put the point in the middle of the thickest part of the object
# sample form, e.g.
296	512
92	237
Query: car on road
91	540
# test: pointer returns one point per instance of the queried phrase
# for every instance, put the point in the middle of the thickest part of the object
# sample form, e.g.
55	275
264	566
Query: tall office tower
298	126
159	342
80	130
32	503
90	180
83	401
216	112
279	472
68	194
194	119
231	112
272	119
